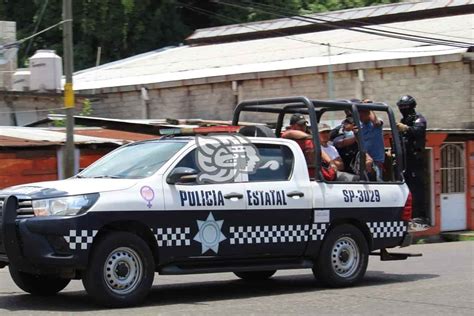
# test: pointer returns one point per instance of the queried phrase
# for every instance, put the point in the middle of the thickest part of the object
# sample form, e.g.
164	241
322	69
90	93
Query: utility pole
330	75
68	157
330	83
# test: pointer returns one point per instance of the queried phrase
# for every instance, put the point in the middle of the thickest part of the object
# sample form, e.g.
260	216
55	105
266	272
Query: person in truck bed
297	132
333	156
372	134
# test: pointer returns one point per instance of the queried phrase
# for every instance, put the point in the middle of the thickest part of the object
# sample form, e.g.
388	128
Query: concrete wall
23	109
207	101
7	35
444	92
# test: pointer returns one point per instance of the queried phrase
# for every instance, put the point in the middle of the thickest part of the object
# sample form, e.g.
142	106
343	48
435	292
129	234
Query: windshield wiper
106	177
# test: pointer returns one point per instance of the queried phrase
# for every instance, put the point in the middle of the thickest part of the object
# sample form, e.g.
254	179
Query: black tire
119	255
40	285
343	257
255	275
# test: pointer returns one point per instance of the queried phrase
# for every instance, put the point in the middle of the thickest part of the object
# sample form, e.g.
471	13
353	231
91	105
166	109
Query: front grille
25	208
1	210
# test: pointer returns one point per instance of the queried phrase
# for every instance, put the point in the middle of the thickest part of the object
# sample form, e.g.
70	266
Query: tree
128	27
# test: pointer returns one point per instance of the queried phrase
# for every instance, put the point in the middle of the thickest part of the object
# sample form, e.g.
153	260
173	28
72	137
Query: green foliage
309	6
86	108
128	27
85	111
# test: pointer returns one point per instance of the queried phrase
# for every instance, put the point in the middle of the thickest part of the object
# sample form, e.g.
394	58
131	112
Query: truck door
198	216
278	198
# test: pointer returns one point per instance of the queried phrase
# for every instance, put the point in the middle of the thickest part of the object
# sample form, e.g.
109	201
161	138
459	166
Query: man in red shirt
297	131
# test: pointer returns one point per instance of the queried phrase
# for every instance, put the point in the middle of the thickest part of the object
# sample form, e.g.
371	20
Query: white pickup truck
219	203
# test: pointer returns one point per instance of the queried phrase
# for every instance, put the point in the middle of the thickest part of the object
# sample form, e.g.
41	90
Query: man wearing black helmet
412	128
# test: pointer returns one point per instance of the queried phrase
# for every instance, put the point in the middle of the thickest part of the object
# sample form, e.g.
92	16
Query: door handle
293	194
233	195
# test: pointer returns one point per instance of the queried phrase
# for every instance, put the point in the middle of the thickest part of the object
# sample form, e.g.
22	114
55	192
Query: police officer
412	128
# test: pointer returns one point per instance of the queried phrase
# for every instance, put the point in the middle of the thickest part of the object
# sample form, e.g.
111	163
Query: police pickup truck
203	204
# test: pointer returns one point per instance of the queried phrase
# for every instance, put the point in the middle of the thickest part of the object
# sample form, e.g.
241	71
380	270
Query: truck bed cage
315	109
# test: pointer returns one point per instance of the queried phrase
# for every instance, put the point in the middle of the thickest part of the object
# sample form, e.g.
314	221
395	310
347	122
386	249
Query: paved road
439	283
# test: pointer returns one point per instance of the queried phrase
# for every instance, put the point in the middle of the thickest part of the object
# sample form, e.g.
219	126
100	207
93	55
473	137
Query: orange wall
470	184
88	156
23	166
435	140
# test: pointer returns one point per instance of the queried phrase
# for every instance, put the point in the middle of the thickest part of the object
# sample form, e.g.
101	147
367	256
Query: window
276	163
189	161
135	161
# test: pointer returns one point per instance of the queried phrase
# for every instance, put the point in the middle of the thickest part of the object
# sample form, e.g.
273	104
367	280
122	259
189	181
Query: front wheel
255	275
40	285
343	257
120	271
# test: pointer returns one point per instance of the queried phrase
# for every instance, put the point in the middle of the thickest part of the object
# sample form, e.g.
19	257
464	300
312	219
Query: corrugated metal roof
365	13
111	134
269	54
14	136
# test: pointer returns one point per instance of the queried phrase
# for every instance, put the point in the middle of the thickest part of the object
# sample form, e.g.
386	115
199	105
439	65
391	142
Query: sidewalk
462	235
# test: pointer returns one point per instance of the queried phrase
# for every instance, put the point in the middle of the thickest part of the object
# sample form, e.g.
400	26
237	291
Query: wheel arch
354	222
135	227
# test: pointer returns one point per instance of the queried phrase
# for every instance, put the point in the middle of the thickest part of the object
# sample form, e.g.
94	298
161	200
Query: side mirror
182	175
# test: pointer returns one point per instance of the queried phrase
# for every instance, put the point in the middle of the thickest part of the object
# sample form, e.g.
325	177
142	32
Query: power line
366	30
292	37
40	18
394	27
19	42
330	24
210	13
329	14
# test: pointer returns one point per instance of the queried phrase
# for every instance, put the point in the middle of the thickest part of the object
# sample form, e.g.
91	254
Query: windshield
135	161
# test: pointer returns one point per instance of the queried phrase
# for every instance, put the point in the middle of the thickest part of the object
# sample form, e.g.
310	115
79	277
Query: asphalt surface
439	283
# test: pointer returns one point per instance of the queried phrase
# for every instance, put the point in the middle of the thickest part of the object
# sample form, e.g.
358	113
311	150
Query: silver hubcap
123	270
345	257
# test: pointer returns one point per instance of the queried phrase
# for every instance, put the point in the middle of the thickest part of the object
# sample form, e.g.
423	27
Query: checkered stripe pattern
318	230
387	229
241	235
80	239
173	236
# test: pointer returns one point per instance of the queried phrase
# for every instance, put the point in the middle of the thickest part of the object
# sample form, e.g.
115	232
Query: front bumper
37	245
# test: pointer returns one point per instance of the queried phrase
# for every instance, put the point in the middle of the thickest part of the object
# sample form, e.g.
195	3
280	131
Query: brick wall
444	92
27	165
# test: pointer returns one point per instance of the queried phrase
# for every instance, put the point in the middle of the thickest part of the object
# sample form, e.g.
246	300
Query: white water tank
46	71
21	80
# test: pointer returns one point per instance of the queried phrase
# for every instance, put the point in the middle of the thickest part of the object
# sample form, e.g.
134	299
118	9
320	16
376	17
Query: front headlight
64	206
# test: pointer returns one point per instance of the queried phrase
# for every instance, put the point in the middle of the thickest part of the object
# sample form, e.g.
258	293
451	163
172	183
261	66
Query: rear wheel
255	275
343	257
41	285
120	271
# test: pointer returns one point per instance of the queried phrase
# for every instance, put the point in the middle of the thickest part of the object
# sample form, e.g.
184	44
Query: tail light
408	209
